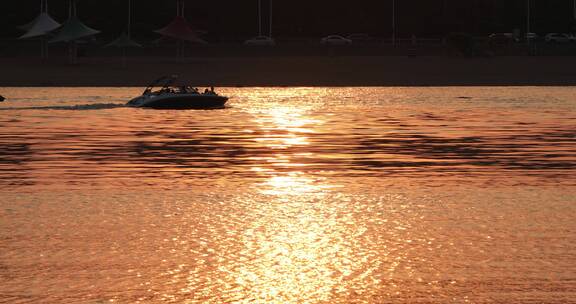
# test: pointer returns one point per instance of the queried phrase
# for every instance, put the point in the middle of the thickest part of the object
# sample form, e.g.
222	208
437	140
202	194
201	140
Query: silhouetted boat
2	98
171	96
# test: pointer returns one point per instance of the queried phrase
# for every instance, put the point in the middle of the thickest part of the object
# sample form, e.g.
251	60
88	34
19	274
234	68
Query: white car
531	36
361	38
557	38
260	41
335	40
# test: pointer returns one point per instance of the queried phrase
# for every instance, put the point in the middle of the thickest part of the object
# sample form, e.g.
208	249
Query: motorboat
171	96
2	98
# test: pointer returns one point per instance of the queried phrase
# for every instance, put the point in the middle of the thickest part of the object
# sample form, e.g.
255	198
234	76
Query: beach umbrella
180	29
41	26
125	40
73	30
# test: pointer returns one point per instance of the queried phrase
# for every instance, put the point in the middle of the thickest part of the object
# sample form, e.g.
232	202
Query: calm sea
290	195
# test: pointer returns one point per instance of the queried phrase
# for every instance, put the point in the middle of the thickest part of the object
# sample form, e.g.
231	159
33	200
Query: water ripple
372	132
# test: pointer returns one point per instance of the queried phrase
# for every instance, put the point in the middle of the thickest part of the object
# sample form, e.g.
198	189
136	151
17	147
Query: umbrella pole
42	50
73	53
124	58
45	42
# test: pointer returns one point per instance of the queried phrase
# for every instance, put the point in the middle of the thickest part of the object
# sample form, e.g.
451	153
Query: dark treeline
230	19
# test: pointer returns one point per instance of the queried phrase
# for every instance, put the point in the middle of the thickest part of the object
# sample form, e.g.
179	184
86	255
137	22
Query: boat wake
98	106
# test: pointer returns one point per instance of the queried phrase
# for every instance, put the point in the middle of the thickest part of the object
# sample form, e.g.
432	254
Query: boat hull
179	101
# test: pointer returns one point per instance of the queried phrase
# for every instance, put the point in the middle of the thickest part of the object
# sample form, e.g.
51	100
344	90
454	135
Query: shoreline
308	71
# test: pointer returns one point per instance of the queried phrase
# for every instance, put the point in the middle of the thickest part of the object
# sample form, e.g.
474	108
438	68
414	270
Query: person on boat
209	91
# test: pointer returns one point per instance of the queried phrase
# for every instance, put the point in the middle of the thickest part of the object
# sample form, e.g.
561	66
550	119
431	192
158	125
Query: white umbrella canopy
41	25
28	25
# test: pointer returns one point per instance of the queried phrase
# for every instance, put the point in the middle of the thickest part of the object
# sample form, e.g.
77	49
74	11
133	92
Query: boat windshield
166	85
164	82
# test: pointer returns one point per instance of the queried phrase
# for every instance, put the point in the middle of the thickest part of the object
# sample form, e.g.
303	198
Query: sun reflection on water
294	184
285	127
299	246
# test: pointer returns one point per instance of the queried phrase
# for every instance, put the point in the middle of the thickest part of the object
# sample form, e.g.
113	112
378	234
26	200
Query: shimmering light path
290	195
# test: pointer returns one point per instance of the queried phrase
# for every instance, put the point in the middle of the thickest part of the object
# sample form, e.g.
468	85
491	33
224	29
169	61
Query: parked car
335	40
557	38
260	41
501	38
531	36
360	38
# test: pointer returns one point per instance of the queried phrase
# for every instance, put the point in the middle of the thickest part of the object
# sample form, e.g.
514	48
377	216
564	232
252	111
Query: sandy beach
295	71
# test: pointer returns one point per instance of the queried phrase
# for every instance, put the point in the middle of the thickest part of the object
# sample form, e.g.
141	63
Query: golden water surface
290	195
